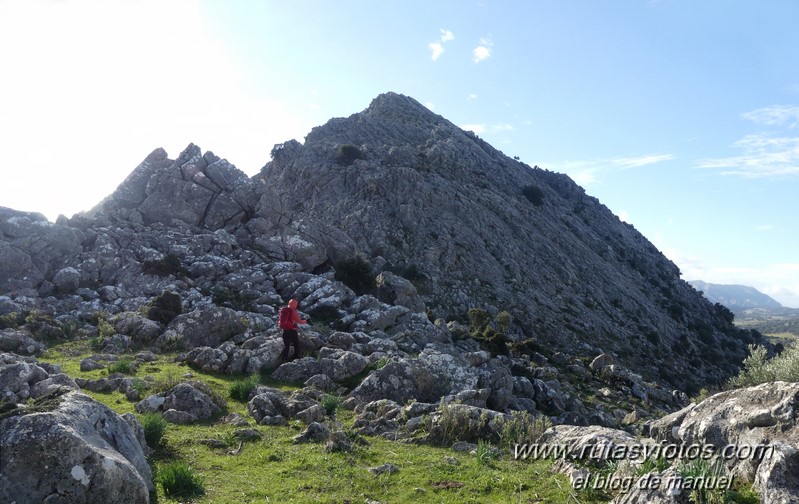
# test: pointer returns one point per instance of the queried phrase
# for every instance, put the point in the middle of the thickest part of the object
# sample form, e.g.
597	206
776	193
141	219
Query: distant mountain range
736	297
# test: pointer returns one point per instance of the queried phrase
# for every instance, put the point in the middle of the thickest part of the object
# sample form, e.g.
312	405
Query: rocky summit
433	268
417	214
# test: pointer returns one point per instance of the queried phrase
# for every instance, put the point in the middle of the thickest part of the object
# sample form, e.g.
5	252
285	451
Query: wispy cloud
589	172
775	115
765	227
483	50
638	161
471	97
763	156
437	47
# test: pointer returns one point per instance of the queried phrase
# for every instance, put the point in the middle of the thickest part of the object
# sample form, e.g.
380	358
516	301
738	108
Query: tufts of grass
485	452
240	390
178	479
154	427
330	403
124	365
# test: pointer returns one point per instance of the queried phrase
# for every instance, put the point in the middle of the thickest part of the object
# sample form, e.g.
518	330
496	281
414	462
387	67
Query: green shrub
240	389
10	321
330	403
522	428
707	470
154	427
356	273
168	265
347	154
124	365
534	195
179	480
485	452
233	298
759	369
454	423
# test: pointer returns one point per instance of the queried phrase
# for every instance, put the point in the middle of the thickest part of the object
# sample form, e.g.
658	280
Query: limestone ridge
420	198
416	193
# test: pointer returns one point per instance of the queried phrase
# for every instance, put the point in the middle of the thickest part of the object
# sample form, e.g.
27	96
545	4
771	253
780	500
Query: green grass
240	389
178	479
330	404
124	365
154	427
274	469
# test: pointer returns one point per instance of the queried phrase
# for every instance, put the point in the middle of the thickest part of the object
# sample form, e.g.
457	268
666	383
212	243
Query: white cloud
488	128
429	105
483	50
638	161
437	48
477	128
589	172
775	115
471	97
763	156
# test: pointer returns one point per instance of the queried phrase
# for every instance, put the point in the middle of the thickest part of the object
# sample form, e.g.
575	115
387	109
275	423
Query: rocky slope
417	197
422	197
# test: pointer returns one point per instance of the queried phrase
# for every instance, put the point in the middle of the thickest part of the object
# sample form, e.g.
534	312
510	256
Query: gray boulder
67	280
395	290
19	342
79	451
760	422
339	365
17	377
207	327
192	404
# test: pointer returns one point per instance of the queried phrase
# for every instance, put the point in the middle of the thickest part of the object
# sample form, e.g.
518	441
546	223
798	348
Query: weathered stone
19	342
67	280
91	455
185	398
314	433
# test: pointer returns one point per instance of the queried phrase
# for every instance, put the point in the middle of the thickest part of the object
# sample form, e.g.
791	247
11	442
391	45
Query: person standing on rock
289	321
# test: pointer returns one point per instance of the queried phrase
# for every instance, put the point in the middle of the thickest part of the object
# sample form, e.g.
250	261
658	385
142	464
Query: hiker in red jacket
289	320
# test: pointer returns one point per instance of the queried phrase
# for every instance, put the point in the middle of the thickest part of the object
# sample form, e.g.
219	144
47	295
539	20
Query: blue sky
680	116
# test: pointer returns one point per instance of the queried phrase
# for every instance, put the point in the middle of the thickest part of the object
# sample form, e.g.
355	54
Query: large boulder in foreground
756	430
73	449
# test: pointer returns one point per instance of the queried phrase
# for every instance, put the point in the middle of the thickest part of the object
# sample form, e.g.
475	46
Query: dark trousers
290	337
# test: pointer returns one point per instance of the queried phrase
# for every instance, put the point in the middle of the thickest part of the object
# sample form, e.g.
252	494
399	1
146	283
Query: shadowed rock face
410	189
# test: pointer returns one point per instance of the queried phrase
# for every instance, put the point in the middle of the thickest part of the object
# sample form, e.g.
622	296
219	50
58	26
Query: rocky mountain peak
431	208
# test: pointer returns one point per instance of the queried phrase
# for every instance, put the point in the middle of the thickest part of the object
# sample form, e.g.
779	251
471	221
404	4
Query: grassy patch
178	479
240	389
124	365
154	427
274	469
